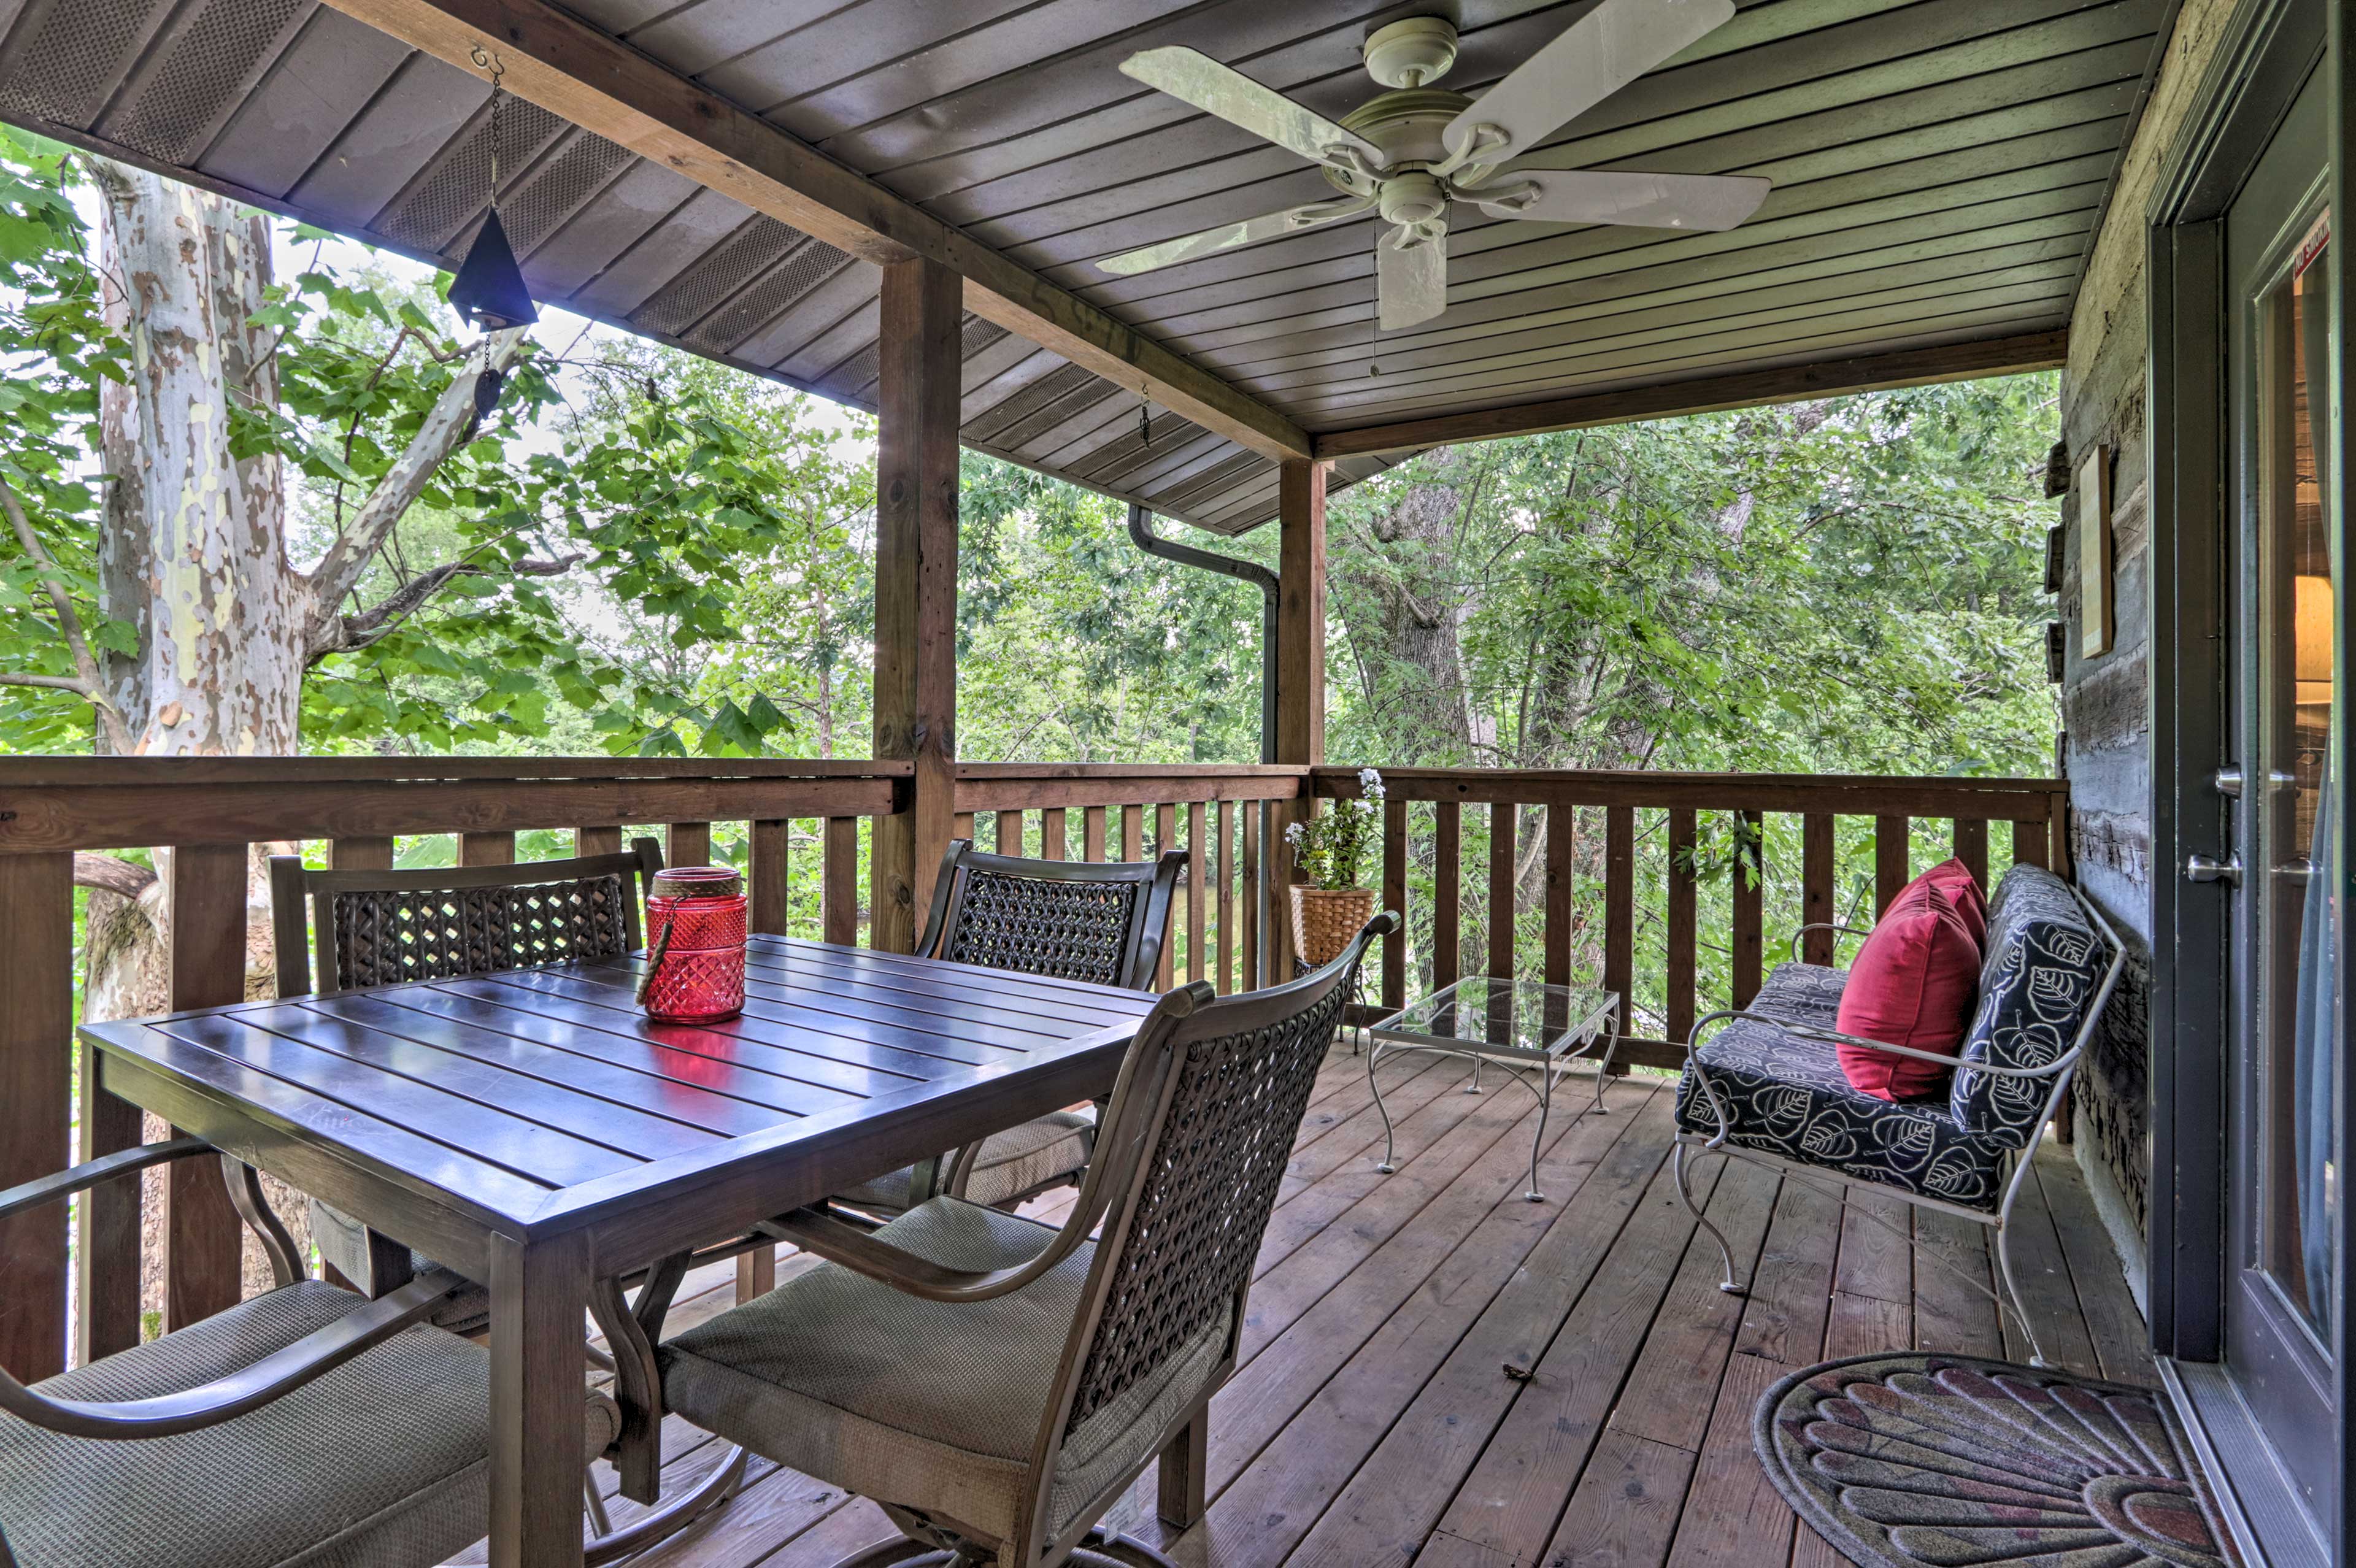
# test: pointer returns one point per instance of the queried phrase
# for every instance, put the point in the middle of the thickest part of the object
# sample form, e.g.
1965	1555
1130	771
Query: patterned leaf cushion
1956	880
2044	963
1912	984
1802	994
1784	1095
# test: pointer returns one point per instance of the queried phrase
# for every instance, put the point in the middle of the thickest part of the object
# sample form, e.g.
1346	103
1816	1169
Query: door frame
2267	54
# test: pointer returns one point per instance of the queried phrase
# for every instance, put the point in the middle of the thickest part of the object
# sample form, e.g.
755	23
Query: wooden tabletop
544	1099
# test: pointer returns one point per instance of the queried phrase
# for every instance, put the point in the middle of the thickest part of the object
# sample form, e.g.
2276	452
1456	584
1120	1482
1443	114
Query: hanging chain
497	68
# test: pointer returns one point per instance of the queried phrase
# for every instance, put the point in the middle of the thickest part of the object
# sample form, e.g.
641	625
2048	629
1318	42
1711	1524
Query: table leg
1374	1087
1538	1141
539	1292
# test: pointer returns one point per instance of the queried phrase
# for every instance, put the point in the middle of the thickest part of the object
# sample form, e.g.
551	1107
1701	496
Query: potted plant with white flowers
1329	908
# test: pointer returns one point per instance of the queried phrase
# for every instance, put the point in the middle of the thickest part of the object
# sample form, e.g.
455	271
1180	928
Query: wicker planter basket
1324	919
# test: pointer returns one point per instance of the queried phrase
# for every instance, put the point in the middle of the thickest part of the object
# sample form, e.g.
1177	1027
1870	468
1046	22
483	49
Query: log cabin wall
2105	708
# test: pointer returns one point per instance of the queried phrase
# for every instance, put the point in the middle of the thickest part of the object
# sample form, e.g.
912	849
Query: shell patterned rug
1905	1459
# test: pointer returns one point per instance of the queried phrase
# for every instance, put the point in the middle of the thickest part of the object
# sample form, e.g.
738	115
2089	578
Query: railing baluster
1009	832
585	841
1195	885
769	882
2028	843
839	896
1892	856
487	849
375	854
1971	848
1504	818
36	1063
202	1261
1816	884
1561	842
1447	891
1253	944
1092	832
1224	870
685	844
1054	836
1684	926
1749	895
1395	898
1165	838
1620	909
1133	832
961	825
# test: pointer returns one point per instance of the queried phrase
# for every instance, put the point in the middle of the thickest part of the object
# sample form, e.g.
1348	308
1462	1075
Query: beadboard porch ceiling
1939	166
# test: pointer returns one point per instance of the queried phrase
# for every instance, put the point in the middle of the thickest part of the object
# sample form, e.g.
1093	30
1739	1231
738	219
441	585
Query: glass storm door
2283	1187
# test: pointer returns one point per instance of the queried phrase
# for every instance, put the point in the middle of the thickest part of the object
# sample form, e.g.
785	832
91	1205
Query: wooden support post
1395	900
768	883
487	849
1195	886
1816	858
1224	867
1620	909
1504	819
838	877
1299	670
916	586
1092	834
1447	891
1054	835
1009	840
1684	925
687	844
1749	876
202	1241
1891	857
596	841
1561	842
36	1057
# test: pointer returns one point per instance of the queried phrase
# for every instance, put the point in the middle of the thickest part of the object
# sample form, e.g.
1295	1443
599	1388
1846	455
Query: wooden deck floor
1375	1419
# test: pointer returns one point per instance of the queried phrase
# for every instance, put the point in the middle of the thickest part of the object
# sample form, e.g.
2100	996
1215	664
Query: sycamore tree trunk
194	559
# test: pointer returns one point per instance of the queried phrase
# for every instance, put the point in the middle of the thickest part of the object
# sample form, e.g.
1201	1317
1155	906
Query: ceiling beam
1740	390
571	69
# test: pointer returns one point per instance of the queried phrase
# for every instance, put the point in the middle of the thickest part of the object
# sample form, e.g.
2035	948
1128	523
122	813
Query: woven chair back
1104	923
377	928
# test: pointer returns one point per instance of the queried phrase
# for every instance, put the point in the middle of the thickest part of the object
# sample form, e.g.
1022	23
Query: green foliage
1330	848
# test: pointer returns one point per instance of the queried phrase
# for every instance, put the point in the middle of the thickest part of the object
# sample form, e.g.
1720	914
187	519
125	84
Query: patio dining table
534	1131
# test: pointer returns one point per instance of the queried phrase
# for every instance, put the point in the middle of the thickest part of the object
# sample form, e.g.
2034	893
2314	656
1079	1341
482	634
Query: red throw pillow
1913	984
1956	880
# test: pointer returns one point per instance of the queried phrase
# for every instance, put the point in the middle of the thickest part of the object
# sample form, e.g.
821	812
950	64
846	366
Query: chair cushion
1802	994
1912	984
1010	1165
379	1463
2045	963
1784	1095
929	1405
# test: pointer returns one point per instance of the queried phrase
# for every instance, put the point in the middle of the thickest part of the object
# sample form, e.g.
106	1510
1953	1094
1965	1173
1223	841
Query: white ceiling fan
1408	152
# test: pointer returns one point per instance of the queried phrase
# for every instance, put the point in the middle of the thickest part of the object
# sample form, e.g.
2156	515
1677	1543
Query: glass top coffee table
1524	1025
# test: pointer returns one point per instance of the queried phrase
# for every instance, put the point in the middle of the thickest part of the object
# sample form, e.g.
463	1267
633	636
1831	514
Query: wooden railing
1582	847
1614	878
210	813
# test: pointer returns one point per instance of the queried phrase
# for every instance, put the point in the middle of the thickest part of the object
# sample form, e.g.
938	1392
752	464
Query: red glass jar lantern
695	946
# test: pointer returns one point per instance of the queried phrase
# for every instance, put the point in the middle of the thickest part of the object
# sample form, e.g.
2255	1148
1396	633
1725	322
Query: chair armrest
209	1404
90	1173
1830	925
816	1231
1832	1036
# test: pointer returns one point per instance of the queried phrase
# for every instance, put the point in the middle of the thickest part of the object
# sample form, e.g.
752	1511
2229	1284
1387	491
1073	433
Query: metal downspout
1141	534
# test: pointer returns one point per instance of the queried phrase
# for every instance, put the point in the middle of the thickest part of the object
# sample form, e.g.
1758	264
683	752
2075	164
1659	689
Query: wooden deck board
1375	1424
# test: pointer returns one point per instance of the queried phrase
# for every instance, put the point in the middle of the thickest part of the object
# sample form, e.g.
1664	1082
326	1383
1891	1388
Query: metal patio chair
1767	1086
305	1425
383	927
996	1384
1074	920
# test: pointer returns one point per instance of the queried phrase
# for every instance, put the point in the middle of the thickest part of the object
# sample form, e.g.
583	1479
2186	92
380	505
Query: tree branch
368	626
339	570
87	682
116	876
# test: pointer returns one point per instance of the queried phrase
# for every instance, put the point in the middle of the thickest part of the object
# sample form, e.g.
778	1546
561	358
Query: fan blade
1411	284
1653	201
1197	79
1226	237
1588	61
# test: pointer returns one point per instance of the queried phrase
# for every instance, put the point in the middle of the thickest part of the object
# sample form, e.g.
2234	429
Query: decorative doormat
1905	1459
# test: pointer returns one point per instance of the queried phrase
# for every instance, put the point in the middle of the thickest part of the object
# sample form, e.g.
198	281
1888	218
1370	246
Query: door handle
2209	869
